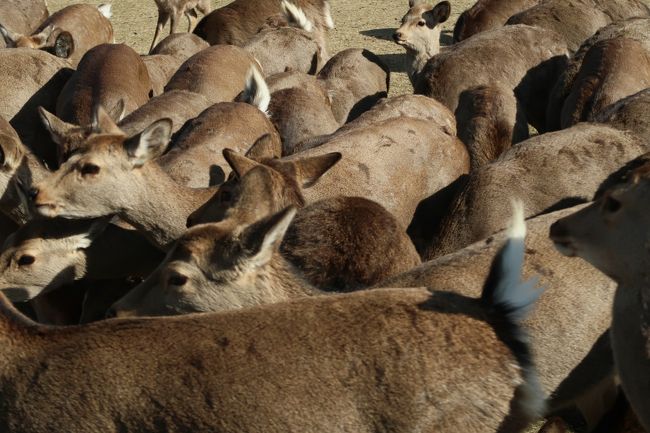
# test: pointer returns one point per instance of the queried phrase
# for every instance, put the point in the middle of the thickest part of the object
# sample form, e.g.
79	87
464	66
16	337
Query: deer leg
175	17
162	20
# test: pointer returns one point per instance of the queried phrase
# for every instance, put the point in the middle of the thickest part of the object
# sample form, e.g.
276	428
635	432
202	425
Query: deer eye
611	205
177	280
89	169
421	23
26	260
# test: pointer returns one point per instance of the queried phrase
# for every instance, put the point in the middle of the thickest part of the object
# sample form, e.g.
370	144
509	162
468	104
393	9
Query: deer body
180	45
173	10
161	68
486	15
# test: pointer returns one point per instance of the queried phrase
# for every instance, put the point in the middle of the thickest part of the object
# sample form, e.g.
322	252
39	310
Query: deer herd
242	232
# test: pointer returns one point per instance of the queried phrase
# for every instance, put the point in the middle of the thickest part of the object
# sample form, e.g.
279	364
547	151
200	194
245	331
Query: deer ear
57	128
239	163
150	143
265	147
11	150
118	112
103	123
263	238
309	170
63	45
10	37
440	13
40	39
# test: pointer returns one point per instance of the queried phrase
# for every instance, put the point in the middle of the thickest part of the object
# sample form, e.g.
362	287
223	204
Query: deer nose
397	36
32	193
559	231
111	313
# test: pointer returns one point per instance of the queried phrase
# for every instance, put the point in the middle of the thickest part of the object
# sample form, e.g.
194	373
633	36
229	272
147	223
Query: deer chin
49	210
565	247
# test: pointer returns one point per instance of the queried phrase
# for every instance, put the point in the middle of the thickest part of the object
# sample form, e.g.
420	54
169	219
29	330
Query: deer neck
281	281
417	59
162	206
17	336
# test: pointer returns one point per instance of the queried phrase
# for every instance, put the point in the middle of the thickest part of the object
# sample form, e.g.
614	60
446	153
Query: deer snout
561	237
398	36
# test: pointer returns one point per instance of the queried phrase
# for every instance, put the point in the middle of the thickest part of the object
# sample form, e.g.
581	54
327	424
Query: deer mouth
565	247
47	209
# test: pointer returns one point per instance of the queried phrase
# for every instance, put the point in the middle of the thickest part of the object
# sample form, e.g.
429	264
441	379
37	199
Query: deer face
420	29
612	233
212	267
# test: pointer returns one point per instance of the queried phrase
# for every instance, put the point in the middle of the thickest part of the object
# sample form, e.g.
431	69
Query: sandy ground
366	24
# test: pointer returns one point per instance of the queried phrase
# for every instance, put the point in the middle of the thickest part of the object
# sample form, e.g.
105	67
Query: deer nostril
397	36
558	231
32	193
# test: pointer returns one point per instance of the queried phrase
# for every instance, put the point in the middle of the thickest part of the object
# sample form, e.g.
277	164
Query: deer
550	171
20	98
482	358
111	75
161	68
218	73
287	46
610	235
356	79
629	114
582	83
536	57
22	16
180	45
237	22
567	326
156	204
298	113
68	33
333	242
45	255
487	15
173	10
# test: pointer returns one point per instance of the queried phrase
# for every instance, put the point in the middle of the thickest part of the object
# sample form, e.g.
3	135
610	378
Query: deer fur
629	114
45	255
569	319
356	79
22	16
610	234
489	122
487	15
334	242
110	75
289	47
180	45
237	22
68	33
635	29
550	171
161	68
173	10
195	158
155	204
21	97
298	113
218	73
481	357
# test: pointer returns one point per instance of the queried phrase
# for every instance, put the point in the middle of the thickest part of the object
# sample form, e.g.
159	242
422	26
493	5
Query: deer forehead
416	13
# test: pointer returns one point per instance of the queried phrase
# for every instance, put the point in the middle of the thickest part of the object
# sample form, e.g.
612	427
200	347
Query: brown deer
335	345
173	10
180	45
630	114
570	318
334	242
486	15
22	16
161	68
111	75
593	76
68	33
45	255
610	234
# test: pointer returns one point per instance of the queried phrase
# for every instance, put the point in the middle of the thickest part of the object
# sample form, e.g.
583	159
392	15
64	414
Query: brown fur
489	122
548	171
610	234
486	15
535	58
180	45
23	16
237	22
161	68
20	98
356	79
569	317
340	243
218	73
336	346
630	114
107	74
636	29
195	157
611	70
84	23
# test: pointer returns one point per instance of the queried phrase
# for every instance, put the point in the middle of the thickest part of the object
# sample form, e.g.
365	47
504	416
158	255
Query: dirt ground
359	24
